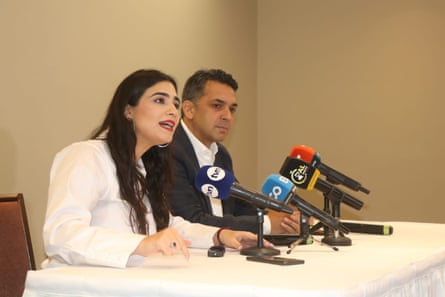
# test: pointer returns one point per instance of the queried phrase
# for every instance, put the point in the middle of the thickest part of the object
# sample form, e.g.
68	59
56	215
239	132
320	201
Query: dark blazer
186	201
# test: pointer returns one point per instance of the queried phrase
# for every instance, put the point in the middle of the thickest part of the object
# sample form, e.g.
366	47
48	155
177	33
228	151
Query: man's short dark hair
194	86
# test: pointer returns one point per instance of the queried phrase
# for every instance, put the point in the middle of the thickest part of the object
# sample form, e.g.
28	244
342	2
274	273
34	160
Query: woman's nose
173	111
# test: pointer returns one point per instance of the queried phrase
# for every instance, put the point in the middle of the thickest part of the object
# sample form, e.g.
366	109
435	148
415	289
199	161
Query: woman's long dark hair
119	134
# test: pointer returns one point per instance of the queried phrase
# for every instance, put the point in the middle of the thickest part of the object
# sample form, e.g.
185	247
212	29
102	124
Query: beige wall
61	61
362	82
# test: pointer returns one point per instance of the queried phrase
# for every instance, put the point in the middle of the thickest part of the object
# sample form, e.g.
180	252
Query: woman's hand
167	242
238	239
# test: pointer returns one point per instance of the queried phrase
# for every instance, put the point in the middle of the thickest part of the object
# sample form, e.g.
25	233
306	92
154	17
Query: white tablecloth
411	262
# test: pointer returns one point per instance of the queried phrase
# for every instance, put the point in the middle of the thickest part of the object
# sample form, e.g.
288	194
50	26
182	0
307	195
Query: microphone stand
305	235
334	237
319	225
260	250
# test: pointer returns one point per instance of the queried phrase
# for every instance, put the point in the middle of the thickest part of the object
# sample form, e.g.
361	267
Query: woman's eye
159	100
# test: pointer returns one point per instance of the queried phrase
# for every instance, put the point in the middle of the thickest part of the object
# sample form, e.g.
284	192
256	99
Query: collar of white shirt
205	156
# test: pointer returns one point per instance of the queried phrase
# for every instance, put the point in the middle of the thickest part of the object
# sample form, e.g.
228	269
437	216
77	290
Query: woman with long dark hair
106	198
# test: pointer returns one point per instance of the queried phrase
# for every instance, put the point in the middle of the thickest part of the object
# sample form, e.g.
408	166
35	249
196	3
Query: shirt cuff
266	225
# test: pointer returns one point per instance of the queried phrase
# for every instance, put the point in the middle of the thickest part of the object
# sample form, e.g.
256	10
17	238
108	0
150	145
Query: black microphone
215	182
307	177
368	228
281	188
308	155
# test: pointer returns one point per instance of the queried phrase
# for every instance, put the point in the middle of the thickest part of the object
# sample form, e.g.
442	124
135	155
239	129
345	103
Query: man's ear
188	109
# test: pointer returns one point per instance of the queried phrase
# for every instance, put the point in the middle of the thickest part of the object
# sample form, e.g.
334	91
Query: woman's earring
163	145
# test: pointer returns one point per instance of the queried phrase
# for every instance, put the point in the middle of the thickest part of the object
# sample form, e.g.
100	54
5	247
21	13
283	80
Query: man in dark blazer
208	107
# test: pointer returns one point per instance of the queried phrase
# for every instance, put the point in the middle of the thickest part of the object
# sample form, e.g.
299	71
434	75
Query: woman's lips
168	125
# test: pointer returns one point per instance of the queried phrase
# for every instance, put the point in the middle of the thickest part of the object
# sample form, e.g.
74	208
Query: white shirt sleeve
86	220
200	235
267	225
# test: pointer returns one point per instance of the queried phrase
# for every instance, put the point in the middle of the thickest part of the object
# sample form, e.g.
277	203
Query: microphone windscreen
302	152
277	186
214	181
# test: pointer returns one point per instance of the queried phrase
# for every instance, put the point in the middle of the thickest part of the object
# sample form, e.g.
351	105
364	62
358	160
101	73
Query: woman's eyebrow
160	93
175	98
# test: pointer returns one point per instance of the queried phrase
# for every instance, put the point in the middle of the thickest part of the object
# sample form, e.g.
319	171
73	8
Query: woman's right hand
167	242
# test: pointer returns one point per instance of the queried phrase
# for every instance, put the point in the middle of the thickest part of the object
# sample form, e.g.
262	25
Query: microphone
282	189
311	157
368	228
215	182
307	177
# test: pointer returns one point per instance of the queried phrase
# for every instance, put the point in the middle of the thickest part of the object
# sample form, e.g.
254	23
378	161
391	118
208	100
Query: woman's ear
128	113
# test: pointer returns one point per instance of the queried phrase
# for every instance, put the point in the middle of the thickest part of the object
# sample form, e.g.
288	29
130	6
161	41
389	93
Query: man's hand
282	223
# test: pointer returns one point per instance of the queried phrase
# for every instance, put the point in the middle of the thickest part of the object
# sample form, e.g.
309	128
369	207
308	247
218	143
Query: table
410	262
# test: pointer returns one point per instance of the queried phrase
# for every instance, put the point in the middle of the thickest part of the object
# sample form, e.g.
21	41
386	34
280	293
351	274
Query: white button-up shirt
87	222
